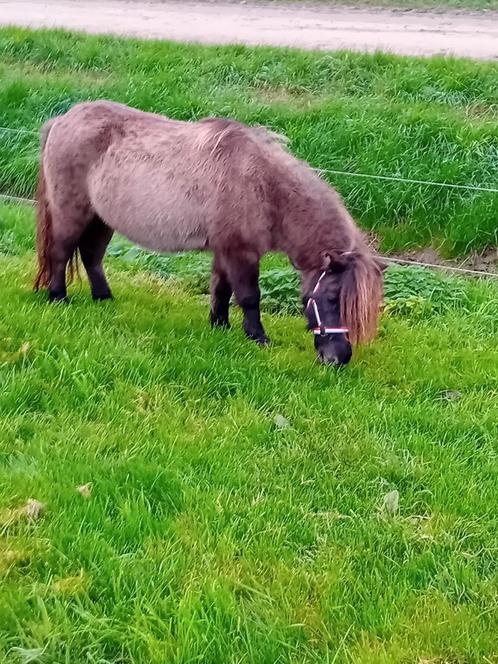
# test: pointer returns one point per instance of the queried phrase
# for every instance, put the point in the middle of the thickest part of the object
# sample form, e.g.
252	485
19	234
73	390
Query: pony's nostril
328	359
333	359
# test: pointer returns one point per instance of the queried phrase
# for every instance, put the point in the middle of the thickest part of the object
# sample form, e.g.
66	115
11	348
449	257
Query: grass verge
361	528
430	119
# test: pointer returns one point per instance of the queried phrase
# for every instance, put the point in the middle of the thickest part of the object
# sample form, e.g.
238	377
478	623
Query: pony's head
342	303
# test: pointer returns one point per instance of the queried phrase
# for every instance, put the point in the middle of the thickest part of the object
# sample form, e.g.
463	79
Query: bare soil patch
322	27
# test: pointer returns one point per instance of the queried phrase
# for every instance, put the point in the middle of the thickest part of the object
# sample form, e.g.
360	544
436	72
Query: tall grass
246	505
431	119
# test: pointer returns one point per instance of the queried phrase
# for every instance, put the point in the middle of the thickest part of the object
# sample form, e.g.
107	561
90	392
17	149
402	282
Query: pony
215	185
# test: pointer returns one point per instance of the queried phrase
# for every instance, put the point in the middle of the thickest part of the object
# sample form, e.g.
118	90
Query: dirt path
408	33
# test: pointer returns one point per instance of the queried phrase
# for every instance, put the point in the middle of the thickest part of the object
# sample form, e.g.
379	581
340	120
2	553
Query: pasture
205	500
416	118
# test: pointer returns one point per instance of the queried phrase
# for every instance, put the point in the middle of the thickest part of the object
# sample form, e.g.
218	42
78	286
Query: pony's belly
156	229
165	243
168	245
155	209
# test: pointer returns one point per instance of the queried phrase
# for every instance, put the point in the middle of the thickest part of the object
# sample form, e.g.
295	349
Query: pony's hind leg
62	251
61	221
243	273
221	292
92	246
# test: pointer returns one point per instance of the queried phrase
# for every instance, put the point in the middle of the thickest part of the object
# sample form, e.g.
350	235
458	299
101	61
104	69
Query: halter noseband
321	329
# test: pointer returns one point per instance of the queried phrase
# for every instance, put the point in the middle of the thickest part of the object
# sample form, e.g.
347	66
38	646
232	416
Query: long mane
361	298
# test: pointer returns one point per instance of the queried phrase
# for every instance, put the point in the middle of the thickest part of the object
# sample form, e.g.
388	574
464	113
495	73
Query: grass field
430	119
202	499
215	534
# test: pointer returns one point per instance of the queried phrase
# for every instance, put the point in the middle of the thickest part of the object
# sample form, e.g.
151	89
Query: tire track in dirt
323	28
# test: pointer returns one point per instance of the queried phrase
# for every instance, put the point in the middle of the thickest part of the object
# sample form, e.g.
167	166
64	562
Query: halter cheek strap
320	328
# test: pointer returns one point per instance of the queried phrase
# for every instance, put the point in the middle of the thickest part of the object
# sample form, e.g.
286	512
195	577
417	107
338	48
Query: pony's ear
336	261
326	261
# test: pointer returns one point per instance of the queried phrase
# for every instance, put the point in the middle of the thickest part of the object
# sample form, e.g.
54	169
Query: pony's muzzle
334	350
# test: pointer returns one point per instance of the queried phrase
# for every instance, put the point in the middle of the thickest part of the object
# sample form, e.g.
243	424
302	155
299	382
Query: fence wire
389	178
371	176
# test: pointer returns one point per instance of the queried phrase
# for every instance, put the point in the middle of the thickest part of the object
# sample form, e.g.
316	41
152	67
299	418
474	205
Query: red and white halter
320	328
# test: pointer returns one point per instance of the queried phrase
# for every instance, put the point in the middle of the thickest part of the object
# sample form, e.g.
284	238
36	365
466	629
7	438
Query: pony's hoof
58	297
101	297
219	323
263	341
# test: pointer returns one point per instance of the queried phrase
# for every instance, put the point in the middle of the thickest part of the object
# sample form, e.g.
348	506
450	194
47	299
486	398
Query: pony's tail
44	228
43	233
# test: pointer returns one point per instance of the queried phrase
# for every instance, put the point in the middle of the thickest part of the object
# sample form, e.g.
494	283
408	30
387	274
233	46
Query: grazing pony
214	185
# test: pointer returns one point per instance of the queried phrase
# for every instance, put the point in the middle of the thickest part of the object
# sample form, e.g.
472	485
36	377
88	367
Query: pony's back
168	185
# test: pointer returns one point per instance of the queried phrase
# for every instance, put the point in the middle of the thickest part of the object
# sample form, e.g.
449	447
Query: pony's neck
312	224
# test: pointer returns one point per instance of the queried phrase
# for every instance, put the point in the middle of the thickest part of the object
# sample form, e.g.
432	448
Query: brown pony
214	185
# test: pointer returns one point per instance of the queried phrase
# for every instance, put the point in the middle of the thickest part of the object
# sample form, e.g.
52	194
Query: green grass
212	535
430	119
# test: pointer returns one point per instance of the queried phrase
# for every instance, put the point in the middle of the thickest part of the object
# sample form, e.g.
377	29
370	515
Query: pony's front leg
243	273
221	292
